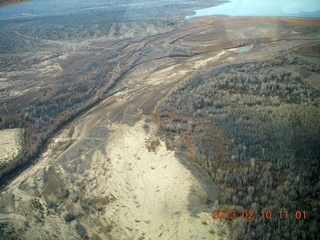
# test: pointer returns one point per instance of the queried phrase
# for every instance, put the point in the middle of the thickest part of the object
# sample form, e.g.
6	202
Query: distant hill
12	2
310	14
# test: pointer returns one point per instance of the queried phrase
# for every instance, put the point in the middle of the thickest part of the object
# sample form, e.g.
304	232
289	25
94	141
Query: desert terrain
138	128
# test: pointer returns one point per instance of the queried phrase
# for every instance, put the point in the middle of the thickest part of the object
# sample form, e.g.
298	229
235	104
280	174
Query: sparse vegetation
42	108
8	232
146	127
153	145
38	210
81	231
69	217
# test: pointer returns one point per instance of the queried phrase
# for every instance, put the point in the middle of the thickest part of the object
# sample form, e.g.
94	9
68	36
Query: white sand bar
151	190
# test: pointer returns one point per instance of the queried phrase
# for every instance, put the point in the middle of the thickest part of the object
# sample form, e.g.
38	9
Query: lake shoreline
250	8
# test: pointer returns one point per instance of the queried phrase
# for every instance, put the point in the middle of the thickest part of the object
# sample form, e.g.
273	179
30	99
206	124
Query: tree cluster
254	129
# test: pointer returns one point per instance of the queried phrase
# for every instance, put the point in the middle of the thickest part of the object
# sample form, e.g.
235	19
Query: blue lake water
291	8
287	8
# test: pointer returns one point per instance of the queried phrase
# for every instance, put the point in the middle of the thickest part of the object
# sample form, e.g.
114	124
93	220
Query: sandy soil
151	190
10	144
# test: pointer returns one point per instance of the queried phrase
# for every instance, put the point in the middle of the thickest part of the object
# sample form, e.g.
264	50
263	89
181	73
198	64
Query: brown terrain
12	2
106	172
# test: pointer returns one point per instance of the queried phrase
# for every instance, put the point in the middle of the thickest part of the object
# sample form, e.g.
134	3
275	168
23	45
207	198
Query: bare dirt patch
152	190
11	144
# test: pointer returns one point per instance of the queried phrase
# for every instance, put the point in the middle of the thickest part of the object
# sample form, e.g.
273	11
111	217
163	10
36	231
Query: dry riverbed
108	176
